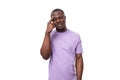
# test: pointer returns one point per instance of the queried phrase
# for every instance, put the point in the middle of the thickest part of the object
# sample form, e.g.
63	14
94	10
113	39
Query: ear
65	17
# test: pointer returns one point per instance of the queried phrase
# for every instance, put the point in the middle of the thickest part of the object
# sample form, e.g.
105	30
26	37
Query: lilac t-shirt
62	61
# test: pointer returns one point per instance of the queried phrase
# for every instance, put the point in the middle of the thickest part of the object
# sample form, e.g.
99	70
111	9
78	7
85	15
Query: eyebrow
60	17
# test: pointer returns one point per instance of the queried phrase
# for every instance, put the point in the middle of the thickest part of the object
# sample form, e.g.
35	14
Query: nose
58	20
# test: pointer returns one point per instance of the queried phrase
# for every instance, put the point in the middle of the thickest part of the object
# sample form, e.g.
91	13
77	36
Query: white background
23	24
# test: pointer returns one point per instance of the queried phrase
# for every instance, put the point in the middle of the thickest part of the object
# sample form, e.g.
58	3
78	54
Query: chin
59	28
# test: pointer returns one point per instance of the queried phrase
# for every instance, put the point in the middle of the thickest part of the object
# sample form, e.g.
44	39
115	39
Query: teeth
59	25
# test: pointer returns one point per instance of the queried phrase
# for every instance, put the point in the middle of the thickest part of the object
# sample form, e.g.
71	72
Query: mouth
59	25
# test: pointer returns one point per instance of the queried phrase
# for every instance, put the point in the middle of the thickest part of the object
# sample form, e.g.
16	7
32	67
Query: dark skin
58	21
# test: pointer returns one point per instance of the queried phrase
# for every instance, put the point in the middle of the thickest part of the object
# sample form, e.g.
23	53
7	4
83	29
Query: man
64	49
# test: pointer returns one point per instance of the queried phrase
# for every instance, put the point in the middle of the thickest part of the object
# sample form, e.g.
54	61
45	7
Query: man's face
58	19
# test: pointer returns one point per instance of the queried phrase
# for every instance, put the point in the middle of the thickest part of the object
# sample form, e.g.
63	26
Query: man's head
59	19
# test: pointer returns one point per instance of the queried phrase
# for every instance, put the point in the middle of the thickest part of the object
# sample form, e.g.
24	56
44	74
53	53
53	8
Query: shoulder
75	34
52	34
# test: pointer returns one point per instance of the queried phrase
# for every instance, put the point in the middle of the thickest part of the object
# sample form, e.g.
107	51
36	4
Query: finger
52	20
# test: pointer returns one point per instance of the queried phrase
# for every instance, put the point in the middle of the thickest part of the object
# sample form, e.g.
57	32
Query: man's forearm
79	67
46	48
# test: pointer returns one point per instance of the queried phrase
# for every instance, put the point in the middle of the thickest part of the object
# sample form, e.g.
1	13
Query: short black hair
57	9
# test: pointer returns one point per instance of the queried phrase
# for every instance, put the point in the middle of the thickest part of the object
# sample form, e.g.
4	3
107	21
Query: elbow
44	56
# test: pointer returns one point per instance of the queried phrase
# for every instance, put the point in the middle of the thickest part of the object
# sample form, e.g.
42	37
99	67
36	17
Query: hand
50	26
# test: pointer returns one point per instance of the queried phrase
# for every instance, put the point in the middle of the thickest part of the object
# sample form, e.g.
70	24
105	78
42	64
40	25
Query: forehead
57	14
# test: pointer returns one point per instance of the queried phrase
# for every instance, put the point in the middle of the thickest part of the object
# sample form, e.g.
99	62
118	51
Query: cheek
62	20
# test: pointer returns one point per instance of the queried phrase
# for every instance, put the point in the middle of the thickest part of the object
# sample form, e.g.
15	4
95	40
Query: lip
59	24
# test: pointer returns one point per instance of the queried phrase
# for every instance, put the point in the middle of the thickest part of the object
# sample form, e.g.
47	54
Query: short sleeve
79	49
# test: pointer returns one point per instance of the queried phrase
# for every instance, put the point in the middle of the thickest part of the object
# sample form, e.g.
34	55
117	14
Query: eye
60	17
